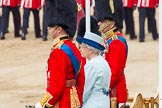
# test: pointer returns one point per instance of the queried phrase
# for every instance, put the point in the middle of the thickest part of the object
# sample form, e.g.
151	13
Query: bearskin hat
62	13
82	26
110	9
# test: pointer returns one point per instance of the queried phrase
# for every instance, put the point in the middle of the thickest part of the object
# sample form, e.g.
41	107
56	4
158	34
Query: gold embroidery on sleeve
44	101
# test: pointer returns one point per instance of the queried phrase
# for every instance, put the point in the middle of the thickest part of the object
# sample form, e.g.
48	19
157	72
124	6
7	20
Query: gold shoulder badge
58	46
79	6
106	50
115	37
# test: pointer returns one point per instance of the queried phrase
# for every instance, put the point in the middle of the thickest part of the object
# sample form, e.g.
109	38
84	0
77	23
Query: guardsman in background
65	79
7	6
80	11
109	17
44	24
34	6
147	7
129	7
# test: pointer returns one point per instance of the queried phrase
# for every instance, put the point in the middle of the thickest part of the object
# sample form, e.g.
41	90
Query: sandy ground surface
23	67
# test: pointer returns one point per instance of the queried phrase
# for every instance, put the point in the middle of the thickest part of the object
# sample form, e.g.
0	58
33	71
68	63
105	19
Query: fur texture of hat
62	13
103	11
82	26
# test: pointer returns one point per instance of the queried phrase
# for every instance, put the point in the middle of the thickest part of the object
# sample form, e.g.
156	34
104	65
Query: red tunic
129	3
80	11
147	3
32	4
116	57
11	3
84	3
60	69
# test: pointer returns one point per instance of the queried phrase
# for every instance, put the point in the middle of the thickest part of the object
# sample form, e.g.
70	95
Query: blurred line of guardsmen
146	9
27	6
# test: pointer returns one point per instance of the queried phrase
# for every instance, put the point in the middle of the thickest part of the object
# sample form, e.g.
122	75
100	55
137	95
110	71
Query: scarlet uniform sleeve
116	58
135	2
80	11
83	3
157	2
18	2
56	77
39	4
36	4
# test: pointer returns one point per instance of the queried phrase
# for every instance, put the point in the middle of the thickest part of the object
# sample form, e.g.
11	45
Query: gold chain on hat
112	6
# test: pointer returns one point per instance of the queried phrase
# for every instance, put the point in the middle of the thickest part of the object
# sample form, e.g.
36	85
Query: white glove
38	105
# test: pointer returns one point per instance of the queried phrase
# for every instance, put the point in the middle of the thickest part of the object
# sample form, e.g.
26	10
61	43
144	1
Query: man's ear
112	24
59	29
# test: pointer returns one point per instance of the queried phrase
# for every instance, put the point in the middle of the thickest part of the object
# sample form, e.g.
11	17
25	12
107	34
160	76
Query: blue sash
121	39
75	62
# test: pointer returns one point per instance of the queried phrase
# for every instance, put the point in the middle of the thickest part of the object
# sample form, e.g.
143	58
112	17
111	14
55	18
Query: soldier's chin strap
108	28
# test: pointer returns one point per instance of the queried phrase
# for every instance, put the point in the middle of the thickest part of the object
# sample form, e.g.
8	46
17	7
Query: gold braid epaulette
58	45
59	42
113	37
111	34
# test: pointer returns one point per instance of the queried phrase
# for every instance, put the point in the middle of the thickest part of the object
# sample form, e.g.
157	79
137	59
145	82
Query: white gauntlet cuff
38	105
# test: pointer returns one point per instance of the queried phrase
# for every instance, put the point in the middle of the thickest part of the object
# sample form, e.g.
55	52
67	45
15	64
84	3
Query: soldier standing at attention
7	6
44	24
34	6
109	13
129	7
146	8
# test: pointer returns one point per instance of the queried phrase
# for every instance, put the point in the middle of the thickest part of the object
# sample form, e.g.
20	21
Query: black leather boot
23	36
44	38
2	37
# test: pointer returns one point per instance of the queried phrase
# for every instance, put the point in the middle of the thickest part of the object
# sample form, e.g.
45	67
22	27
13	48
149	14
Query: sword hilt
29	106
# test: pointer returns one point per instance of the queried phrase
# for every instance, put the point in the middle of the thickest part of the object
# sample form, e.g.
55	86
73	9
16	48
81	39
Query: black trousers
150	13
44	24
5	19
129	21
152	22
36	21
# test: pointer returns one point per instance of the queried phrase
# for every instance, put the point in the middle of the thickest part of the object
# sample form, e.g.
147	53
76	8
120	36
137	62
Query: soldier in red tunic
65	73
80	11
116	54
34	6
44	25
129	7
147	8
7	6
